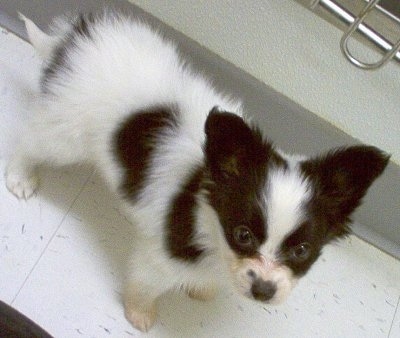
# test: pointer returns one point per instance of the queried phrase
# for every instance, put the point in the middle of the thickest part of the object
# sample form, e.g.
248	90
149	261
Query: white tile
25	227
75	289
395	329
351	292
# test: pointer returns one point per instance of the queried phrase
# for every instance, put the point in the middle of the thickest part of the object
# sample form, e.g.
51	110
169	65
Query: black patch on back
59	60
134	143
238	160
181	218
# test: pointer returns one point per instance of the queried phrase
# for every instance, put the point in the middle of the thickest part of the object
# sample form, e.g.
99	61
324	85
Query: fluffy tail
42	42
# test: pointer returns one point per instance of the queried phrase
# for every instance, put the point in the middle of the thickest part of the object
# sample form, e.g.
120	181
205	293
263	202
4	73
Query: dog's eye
301	252
243	236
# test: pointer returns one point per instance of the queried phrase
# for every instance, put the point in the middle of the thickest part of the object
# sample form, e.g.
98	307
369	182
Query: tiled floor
62	256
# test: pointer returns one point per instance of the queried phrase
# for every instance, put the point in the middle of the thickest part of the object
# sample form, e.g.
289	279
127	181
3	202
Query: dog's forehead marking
285	194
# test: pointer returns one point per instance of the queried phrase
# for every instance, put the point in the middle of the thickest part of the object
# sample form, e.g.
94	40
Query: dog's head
277	213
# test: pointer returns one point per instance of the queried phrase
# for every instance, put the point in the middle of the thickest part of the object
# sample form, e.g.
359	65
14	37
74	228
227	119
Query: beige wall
289	48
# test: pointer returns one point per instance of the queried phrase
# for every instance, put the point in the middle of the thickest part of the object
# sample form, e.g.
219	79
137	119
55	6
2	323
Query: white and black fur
213	201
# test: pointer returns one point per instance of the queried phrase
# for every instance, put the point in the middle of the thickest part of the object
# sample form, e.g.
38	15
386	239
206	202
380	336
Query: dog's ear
232	148
341	179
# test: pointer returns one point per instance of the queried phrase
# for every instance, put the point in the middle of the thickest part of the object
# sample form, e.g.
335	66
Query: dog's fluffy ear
232	148
341	179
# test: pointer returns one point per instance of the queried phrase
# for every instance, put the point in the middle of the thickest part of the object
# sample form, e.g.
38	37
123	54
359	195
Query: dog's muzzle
261	289
263	279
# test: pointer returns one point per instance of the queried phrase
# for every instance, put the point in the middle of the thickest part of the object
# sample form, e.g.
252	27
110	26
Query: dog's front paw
202	293
21	185
142	320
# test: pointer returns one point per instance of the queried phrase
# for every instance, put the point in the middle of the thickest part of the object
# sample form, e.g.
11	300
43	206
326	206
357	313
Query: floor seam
394	317
51	238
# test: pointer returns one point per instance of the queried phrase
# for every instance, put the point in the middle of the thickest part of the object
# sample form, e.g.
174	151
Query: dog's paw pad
143	321
21	186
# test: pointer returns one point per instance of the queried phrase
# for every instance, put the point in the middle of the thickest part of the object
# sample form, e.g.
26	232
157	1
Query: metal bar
386	12
346	17
353	27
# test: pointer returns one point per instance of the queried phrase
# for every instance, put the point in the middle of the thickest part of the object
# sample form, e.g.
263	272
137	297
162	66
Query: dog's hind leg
43	140
20	175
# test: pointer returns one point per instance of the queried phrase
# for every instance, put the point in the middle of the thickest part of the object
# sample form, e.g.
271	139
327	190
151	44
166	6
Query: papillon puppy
213	201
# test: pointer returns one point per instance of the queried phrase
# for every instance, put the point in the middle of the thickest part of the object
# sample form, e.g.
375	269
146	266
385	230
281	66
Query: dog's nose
263	290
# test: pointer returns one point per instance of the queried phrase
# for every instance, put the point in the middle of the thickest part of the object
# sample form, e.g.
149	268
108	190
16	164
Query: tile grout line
51	239
394	317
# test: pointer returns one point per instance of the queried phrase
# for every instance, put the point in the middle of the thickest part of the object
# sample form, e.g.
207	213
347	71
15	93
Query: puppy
213	200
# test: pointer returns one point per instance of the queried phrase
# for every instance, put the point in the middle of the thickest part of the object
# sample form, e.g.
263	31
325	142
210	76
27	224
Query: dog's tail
42	42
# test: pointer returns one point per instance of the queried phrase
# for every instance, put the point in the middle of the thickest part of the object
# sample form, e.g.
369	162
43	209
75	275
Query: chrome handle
357	23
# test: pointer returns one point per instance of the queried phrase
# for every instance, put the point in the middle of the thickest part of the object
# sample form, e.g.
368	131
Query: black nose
263	290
